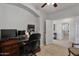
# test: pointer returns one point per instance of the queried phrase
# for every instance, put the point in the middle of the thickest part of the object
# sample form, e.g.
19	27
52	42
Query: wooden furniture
73	50
10	47
15	46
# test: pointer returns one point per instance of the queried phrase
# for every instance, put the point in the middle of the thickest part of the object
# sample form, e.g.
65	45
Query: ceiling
50	9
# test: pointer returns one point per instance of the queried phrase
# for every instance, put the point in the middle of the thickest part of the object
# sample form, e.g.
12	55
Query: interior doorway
65	31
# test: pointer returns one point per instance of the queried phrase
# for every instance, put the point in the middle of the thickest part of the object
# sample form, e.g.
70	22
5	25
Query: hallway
65	42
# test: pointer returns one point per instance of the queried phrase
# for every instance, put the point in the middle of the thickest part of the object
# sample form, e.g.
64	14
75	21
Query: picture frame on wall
31	28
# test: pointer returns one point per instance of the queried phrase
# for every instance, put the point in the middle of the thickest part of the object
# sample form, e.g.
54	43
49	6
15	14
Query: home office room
47	28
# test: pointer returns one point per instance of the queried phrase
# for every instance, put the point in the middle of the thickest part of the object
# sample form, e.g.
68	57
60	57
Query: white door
49	32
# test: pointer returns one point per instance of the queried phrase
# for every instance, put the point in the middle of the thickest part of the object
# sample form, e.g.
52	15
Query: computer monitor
21	32
6	33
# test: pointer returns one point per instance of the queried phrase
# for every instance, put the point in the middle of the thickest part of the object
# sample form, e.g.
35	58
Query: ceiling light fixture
50	3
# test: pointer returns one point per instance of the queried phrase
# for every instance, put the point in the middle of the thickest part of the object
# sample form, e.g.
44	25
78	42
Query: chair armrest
74	44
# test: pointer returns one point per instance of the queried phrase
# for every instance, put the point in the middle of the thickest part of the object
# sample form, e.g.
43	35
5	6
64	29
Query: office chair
33	45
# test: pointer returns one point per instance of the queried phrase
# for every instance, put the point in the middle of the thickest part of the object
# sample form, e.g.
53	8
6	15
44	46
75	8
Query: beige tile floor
53	50
58	48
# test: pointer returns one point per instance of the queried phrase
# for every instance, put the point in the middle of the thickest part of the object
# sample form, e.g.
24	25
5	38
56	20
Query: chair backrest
35	36
34	40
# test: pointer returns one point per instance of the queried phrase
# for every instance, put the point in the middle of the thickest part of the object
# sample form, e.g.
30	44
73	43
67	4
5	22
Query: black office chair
34	44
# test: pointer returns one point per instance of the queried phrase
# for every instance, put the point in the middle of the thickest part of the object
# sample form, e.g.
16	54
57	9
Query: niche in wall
54	27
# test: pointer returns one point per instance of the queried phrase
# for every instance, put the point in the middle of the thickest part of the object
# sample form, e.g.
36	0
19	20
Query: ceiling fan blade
43	5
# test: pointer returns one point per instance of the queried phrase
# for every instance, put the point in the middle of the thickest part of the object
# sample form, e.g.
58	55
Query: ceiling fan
54	5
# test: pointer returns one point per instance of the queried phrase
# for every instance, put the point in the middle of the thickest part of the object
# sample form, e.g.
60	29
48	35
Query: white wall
74	30
15	18
42	28
49	32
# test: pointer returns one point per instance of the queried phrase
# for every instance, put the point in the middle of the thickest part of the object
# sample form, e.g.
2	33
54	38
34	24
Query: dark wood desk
13	45
10	47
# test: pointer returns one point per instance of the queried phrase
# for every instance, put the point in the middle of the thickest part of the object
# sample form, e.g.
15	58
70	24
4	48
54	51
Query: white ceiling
50	9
